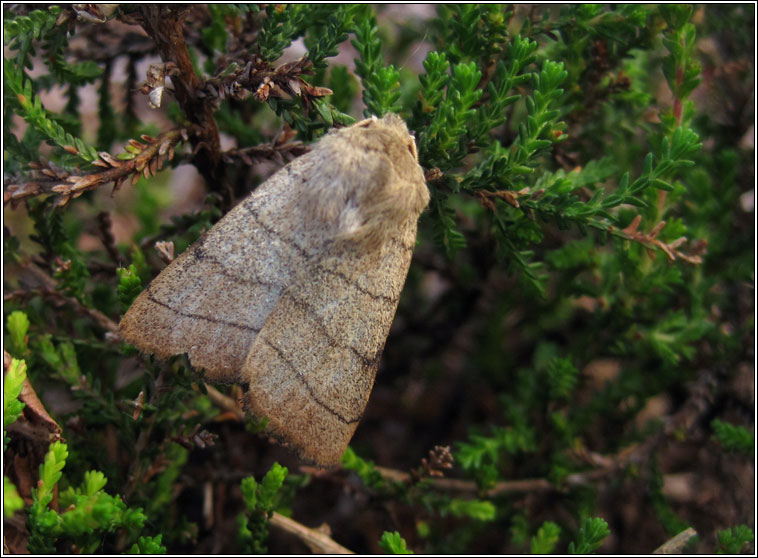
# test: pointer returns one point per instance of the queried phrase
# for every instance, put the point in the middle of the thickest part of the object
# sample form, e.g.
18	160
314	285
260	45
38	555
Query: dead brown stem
225	402
149	156
318	542
164	23
676	544
95	315
290	149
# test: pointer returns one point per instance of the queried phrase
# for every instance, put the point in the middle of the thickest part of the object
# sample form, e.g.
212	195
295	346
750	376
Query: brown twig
136	474
671	250
318	542
255	76
104	226
164	24
279	151
696	405
225	402
676	544
522	485
439	459
509	196
146	158
648	240
48	289
198	437
461	485
95	315
433	175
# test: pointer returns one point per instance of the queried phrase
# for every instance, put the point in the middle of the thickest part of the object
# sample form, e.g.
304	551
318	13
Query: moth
293	292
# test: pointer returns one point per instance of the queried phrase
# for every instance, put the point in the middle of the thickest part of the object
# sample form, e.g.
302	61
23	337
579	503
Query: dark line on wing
307	256
200	254
252	211
199	316
308	309
307	386
357	287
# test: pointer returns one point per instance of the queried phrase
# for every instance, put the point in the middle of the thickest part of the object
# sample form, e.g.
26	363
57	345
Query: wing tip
309	450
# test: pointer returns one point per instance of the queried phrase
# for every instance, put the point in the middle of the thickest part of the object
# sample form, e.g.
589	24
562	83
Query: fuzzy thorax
376	184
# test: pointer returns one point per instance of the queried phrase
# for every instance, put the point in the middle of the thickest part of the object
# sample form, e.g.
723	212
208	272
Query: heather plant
571	364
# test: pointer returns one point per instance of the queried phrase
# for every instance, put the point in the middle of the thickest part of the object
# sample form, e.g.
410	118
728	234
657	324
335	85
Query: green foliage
472	32
283	24
380	83
65	261
680	68
215	35
671	522
108	132
364	468
442	143
12	385
29	105
345	85
129	286
18	327
585	261
262	496
42	25
161	489
327	30
481	510
733	437
483	455
562	377
445	231
12	502
260	502
148	545
89	512
43	522
591	535
509	73
519	529
393	543
30	27
733	540
322	28
61	359
546	538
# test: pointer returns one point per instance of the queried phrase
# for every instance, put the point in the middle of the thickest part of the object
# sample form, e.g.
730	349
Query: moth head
382	182
393	124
